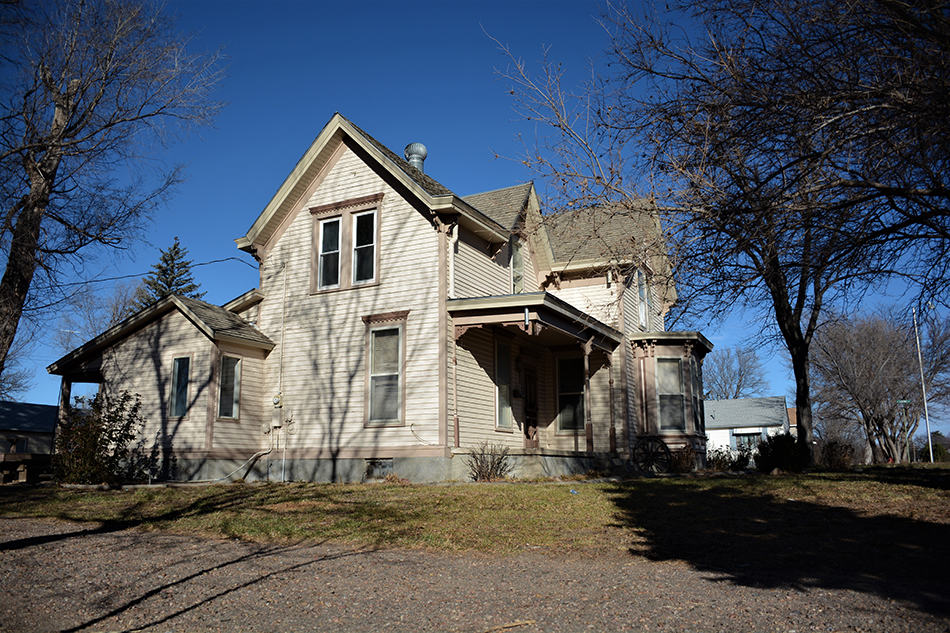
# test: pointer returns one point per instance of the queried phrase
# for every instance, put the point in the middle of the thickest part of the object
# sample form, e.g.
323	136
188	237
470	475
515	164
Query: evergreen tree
171	275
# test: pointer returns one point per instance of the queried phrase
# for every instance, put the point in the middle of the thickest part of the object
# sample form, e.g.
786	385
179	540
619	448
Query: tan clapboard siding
477	273
530	269
599	301
656	317
247	431
629	304
324	338
143	362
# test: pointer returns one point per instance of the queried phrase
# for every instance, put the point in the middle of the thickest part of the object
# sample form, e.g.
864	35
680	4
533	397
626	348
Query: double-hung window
503	385
364	247
669	388
517	266
346	244
229	395
178	406
328	263
385	374
570	394
643	291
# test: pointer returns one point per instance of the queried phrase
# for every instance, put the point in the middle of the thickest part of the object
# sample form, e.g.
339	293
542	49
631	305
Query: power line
134	275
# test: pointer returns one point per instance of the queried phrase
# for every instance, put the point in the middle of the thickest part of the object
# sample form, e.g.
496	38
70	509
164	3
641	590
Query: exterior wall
598	300
143	363
246	432
319	364
722	438
478	273
39	443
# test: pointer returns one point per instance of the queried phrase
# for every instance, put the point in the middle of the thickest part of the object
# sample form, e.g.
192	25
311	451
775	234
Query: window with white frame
229	393
328	260
503	418
669	389
570	394
517	266
364	247
385	374
178	406
643	291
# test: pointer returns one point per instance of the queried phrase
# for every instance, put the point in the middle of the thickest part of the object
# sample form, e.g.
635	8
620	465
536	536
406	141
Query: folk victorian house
397	326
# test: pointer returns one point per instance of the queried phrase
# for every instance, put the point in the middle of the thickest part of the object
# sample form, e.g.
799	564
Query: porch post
65	391
588	425
610	394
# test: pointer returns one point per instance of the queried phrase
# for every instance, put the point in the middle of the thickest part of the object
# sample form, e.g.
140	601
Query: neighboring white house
744	422
397	325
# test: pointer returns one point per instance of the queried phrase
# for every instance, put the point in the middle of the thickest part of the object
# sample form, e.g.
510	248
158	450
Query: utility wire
133	275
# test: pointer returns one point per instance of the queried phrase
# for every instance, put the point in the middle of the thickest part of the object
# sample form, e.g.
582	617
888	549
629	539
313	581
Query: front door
530	408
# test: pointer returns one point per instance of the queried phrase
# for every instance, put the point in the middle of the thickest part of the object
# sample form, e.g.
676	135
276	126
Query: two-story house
397	326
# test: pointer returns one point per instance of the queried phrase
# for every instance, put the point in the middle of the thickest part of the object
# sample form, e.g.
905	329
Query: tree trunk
802	395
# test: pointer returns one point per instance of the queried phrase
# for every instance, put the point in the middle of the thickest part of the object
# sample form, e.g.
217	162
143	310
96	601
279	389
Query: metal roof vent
416	154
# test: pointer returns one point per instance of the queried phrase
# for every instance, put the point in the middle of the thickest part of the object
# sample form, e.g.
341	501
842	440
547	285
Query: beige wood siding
478	273
143	363
247	431
319	362
599	301
476	397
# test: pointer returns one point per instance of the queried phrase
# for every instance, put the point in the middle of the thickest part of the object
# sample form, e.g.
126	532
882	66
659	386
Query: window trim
355	215
320	252
559	429
681	394
173	391
517	249
239	373
346	211
643	301
511	414
376	322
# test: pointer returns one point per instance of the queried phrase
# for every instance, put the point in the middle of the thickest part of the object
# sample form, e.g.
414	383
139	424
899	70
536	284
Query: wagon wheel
651	455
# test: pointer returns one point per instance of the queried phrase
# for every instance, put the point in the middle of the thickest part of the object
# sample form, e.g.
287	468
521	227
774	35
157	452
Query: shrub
489	462
683	460
836	455
782	452
723	459
101	441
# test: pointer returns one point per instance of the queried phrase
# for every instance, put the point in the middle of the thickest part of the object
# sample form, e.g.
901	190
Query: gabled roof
28	418
505	205
610	232
215	322
433	195
746	413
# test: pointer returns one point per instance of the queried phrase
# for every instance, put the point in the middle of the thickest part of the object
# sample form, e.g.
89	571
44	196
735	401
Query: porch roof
533	312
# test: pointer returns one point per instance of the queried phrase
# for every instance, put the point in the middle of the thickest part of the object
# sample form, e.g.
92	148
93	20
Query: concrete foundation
414	469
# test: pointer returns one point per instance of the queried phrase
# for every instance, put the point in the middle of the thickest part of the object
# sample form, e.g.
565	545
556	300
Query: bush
782	452
489	462
683	460
723	459
836	455
101	442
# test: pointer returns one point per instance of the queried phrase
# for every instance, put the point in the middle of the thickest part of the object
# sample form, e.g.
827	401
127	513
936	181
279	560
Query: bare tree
797	149
866	373
88	86
89	314
16	378
733	372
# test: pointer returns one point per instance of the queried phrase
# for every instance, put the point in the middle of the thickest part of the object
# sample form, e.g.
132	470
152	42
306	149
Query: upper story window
643	290
517	266
364	247
329	258
346	244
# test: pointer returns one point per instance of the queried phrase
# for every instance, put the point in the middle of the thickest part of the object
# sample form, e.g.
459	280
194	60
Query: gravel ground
58	576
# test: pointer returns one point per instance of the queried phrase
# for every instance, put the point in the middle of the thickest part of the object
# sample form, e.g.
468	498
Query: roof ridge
482	193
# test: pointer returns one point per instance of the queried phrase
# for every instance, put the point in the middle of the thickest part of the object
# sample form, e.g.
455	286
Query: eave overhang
532	313
673	338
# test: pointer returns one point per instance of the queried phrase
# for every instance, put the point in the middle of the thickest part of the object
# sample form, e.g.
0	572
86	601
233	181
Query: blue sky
404	72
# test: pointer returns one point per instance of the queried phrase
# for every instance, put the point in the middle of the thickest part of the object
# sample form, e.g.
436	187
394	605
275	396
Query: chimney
416	153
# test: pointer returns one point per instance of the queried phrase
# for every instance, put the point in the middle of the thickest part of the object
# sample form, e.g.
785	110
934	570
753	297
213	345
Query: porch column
610	394
65	391
588	425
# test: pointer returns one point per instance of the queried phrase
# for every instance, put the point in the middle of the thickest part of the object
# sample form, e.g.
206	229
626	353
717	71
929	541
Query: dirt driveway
58	576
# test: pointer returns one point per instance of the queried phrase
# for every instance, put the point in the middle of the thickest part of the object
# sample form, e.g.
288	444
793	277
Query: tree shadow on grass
757	540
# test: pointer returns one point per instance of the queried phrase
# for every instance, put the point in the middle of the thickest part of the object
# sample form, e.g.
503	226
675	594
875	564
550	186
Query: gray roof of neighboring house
504	206
745	412
607	232
28	418
221	321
